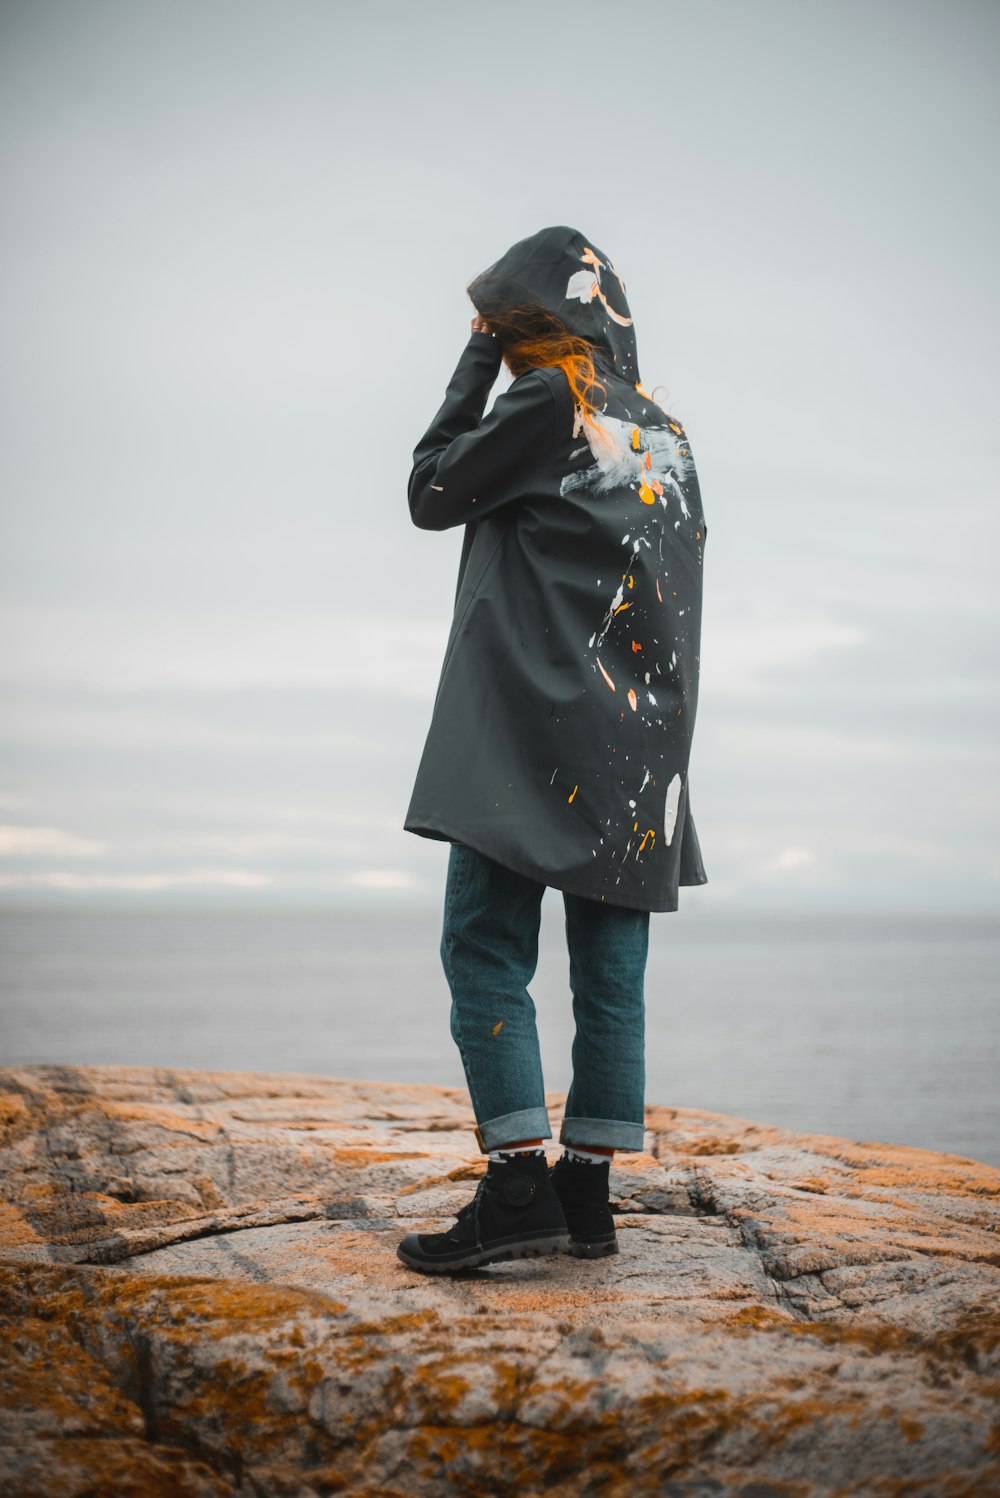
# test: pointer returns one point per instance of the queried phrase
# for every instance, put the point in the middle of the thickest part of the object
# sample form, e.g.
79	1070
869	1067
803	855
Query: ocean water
873	1027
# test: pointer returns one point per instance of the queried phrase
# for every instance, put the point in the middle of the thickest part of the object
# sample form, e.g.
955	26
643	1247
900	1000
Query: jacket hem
424	827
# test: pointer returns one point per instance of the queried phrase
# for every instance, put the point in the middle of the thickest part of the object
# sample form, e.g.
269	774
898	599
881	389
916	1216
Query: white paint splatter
582	286
670	810
617	464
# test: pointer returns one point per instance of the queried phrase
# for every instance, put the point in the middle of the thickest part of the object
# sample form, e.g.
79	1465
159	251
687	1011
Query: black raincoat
561	730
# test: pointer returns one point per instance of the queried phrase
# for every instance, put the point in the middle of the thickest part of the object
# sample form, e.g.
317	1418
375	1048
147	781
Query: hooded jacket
561	732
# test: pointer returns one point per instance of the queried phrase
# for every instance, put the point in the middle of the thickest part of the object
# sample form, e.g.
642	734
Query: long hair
532	337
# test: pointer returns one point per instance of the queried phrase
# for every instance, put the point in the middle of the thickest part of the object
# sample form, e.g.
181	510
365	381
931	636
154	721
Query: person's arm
467	466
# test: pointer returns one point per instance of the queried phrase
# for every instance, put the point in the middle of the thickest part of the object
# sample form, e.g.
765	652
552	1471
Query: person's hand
480	325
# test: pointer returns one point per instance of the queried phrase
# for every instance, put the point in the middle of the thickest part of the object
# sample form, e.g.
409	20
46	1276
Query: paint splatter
670	810
607	678
585	285
582	286
497	1027
618	462
572	793
632	699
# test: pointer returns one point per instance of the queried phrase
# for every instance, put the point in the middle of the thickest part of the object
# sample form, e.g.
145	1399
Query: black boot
583	1190
515	1214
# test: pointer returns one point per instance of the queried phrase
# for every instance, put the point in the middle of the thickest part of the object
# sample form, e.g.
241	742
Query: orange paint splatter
656	486
650	834
646	494
626	322
497	1028
670	424
649	460
607	678
622	606
632	699
636	647
572	793
635	439
658	593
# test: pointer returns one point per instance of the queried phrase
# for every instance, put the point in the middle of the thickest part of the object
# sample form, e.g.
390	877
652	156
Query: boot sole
580	1249
528	1248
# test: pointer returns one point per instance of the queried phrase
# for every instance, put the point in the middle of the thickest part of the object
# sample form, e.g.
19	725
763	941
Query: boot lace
471	1209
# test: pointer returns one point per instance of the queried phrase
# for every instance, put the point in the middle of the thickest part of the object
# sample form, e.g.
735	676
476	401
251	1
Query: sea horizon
865	1025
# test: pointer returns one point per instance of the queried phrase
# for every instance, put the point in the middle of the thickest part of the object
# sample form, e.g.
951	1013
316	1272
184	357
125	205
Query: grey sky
237	239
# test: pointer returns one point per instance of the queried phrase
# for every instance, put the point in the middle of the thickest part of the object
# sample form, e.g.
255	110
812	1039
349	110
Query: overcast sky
236	242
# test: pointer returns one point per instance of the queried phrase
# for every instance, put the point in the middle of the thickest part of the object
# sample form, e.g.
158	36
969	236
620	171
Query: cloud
738	653
380	879
251	844
790	860
46	842
197	878
136	647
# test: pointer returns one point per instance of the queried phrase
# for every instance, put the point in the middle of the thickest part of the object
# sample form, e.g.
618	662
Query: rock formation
200	1296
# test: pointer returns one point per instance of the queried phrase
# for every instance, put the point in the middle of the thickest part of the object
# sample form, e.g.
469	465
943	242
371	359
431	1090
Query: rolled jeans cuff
511	1128
610	1132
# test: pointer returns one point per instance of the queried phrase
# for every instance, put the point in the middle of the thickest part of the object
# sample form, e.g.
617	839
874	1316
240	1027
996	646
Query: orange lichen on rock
835	1304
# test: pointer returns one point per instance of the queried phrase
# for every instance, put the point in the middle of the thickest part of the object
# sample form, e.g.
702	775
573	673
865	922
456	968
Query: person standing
561	733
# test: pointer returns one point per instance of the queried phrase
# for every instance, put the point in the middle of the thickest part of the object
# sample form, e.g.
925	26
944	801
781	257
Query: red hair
534	338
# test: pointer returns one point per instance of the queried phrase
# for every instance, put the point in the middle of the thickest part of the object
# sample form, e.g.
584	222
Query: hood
566	272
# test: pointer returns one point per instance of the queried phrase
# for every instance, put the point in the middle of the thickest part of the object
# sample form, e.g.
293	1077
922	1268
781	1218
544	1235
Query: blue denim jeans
489	950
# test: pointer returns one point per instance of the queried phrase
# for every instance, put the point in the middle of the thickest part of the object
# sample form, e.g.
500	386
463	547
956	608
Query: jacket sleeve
467	466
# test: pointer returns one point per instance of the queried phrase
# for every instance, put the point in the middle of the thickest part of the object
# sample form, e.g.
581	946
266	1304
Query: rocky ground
200	1296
